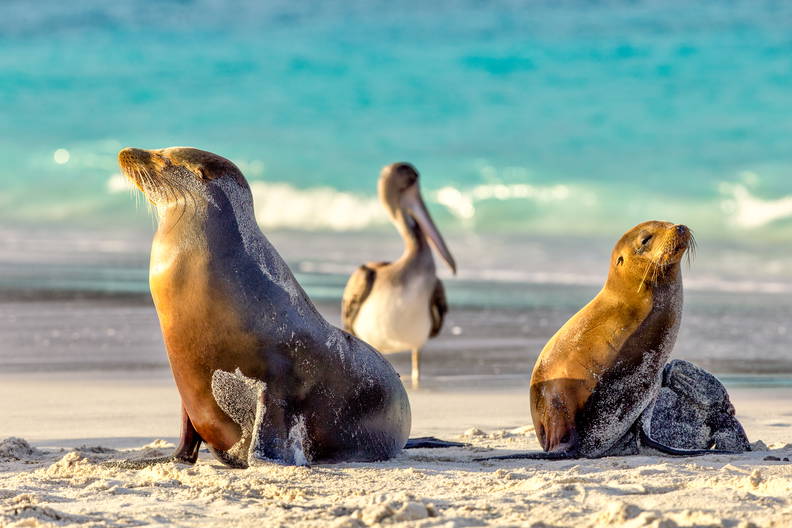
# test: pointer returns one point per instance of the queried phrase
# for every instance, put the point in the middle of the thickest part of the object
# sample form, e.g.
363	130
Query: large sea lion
594	385
261	375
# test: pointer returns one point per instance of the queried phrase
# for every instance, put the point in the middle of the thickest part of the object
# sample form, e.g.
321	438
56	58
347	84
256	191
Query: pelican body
397	306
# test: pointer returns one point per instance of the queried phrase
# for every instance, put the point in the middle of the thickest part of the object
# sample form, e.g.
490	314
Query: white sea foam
118	183
280	205
462	203
748	211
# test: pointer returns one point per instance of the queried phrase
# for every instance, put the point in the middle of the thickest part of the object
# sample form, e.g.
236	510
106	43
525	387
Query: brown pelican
398	306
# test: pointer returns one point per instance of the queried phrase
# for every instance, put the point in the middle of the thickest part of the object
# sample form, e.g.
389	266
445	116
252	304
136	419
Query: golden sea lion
603	369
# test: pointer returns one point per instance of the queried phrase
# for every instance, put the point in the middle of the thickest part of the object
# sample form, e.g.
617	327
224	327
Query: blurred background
542	131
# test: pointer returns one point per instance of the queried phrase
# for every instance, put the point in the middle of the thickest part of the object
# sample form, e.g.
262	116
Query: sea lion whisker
166	188
133	190
656	269
692	246
172	197
159	186
149	189
142	180
643	279
189	199
181	201
140	184
189	195
153	190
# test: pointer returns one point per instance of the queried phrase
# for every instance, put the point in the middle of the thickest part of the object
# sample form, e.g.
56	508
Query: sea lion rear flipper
728	433
430	442
647	441
691	414
533	455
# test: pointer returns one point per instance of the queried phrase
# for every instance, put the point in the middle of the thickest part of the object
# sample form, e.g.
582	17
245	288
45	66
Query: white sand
53	484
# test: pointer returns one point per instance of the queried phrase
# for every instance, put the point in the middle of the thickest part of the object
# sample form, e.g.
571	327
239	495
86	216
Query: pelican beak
414	205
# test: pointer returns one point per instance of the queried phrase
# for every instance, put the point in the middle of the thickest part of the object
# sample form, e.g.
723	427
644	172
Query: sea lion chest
203	333
624	390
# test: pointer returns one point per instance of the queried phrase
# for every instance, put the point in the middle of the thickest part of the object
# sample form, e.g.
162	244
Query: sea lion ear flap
201	172
196	168
216	167
620	261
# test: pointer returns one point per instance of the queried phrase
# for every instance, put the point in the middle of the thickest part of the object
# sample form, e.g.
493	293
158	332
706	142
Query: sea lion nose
681	229
134	155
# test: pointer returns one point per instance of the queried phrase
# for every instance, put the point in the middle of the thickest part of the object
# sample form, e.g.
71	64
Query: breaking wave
575	208
745	210
281	205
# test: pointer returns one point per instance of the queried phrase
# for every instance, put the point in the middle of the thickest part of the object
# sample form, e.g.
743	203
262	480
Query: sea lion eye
646	239
620	261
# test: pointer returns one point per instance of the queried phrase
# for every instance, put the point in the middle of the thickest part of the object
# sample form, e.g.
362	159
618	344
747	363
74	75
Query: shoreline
745	341
144	405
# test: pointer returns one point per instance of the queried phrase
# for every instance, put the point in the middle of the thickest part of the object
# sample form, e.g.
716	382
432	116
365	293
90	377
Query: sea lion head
180	178
649	253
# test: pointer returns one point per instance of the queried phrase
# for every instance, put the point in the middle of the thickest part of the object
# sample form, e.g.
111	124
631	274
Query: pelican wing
438	308
356	292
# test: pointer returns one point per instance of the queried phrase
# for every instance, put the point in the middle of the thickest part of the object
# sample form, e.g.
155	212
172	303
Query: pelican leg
416	368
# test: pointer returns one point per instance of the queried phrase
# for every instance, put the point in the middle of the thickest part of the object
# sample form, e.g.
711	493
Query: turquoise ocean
542	131
533	117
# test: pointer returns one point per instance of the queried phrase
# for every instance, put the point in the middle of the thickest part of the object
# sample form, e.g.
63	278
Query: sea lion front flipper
533	455
240	398
186	452
430	442
189	441
268	433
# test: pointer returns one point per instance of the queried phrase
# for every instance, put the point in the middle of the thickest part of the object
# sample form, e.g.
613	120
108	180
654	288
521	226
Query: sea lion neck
636	283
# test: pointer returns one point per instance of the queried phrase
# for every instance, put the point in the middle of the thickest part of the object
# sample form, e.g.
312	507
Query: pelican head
400	193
